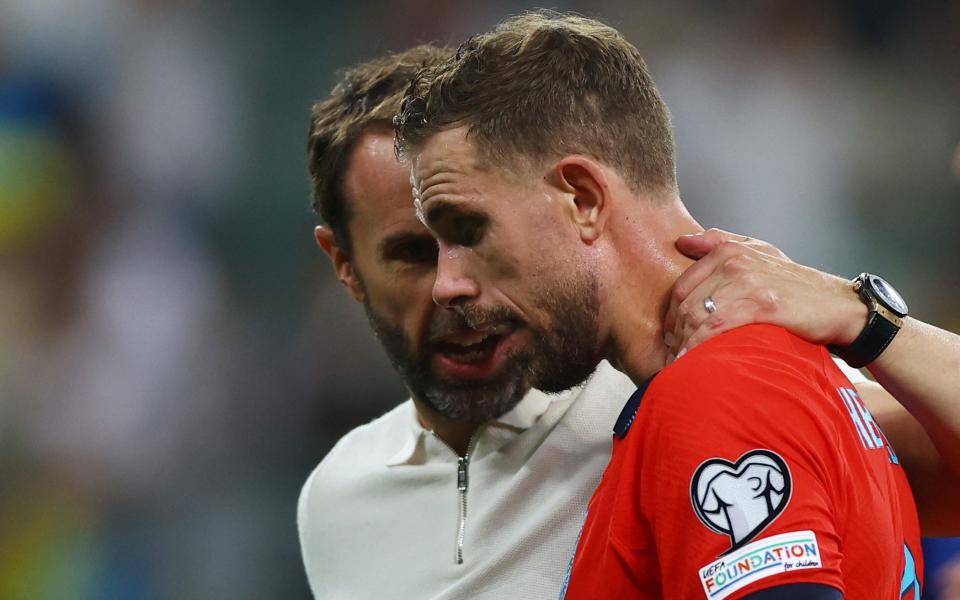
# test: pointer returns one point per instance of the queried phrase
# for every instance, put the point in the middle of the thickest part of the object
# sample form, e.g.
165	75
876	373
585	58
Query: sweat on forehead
443	184
452	156
448	172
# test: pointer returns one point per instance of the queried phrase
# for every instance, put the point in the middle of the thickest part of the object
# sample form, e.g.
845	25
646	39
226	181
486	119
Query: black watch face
889	296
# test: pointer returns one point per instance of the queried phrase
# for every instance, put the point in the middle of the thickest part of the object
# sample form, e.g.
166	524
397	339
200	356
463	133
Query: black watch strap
871	342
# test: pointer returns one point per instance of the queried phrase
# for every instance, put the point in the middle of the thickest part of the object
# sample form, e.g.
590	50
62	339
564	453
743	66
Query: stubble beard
559	357
466	401
566	353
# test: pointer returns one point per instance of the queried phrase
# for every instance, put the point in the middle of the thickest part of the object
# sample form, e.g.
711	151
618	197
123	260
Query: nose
453	286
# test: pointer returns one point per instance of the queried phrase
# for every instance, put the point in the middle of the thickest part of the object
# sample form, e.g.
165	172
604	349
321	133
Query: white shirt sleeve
303	529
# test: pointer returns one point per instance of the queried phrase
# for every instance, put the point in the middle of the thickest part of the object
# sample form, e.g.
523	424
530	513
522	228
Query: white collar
521	417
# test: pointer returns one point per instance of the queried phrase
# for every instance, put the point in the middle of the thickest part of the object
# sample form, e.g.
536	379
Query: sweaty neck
647	265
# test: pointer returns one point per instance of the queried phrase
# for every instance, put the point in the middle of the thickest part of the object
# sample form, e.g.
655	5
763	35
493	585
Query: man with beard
752	467
380	517
477	486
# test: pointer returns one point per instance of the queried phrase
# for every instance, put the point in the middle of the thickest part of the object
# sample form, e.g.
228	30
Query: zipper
463	479
463	484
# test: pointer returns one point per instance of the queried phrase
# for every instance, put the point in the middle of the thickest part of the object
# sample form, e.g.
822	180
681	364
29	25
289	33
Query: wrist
850	312
886	310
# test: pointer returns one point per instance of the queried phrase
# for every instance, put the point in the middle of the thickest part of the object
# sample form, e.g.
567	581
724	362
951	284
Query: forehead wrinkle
446	172
446	159
445	164
440	188
444	198
451	186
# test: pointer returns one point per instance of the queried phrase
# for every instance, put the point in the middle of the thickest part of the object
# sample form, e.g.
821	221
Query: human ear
587	194
342	265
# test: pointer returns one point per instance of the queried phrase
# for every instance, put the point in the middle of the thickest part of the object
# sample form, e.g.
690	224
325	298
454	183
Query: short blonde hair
544	84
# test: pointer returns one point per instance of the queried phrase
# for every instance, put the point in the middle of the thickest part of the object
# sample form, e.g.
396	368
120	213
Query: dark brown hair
544	84
367	94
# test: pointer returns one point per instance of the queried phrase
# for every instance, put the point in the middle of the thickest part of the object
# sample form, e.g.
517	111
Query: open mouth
468	350
474	354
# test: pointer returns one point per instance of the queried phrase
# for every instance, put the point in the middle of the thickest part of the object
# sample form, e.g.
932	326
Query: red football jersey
749	463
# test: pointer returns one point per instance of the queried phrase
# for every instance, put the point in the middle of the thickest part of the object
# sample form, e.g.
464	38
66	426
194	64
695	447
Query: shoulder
365	448
764	349
752	359
338	480
757	384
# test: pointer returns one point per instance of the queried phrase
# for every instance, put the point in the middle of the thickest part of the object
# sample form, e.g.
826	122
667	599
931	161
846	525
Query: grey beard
473	402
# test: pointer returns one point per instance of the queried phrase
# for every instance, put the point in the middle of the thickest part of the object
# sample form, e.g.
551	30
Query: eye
420	250
467	230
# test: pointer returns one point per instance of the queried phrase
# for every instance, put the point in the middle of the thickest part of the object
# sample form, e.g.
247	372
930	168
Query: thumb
698	245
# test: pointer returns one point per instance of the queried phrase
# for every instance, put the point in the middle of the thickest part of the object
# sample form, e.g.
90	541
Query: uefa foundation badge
761	559
739	500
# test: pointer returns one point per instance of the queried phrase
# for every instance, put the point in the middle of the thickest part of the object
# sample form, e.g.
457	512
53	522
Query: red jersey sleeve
738	473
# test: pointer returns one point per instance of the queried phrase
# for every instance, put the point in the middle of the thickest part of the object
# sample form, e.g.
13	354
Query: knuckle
713	321
731	248
695	320
736	264
680	292
768	299
726	246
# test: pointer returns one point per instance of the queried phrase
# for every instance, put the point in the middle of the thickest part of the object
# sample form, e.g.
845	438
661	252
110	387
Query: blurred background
175	355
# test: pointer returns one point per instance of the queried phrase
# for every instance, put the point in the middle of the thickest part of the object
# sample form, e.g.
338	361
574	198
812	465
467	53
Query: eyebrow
441	208
390	242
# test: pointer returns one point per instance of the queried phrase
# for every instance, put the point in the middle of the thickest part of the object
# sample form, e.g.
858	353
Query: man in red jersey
543	162
808	493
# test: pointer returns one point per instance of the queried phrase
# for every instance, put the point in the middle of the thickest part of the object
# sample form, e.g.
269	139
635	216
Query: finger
693	313
698	245
689	315
765	248
682	297
730	258
737	314
734	284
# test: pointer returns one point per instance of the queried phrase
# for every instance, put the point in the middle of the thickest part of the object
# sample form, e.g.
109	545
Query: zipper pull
462	462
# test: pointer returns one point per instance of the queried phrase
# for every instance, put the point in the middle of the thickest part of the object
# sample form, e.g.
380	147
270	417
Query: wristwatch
887	310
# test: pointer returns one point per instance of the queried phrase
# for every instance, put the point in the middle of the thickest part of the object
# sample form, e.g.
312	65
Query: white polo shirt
380	517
